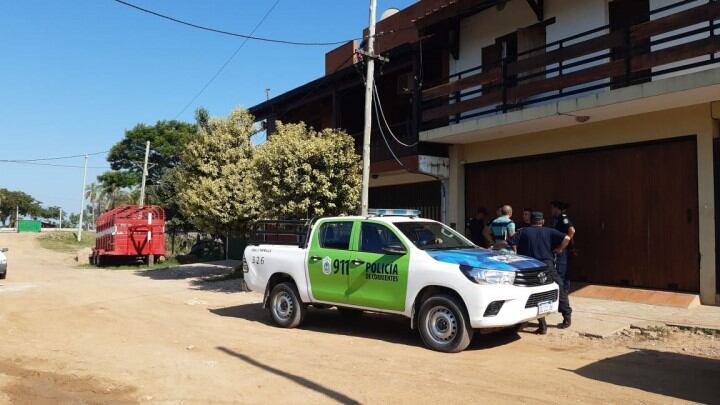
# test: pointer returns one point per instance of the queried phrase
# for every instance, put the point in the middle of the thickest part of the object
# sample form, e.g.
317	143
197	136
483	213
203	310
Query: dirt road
100	336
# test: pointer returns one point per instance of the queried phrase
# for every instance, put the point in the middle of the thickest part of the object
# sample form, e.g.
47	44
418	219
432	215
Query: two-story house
610	105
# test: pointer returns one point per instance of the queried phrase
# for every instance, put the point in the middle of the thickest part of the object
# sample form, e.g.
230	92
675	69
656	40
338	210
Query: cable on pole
378	105
227	62
54	158
54	164
234	34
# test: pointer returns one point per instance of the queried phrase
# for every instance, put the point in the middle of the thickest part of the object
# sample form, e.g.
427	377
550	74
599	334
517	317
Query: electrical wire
54	158
227	62
234	34
52	164
263	39
378	105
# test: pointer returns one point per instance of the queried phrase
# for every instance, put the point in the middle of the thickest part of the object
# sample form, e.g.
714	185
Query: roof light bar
393	212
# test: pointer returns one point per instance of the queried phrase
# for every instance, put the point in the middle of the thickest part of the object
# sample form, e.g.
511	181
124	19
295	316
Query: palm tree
92	192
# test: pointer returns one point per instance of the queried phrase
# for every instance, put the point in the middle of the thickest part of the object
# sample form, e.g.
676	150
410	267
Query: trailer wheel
286	309
443	324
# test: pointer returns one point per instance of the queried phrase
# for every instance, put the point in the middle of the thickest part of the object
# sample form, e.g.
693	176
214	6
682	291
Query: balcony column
455	191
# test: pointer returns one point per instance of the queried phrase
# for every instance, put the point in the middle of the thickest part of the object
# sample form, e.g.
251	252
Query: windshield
433	236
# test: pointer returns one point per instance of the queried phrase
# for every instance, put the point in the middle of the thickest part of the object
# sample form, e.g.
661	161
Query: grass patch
172	262
66	242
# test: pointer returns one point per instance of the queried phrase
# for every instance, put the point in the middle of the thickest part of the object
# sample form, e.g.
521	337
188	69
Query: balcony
676	41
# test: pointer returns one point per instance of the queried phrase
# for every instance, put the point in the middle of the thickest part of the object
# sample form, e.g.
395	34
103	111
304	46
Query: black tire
286	309
350	313
3	276
443	324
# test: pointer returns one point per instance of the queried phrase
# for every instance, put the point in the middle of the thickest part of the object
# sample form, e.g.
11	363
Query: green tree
26	204
215	191
167	141
301	173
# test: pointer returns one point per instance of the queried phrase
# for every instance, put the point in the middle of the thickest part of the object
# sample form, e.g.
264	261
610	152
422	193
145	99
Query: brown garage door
634	208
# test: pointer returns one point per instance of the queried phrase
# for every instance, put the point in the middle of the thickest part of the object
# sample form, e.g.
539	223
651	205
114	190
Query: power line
227	62
234	34
379	107
51	164
54	158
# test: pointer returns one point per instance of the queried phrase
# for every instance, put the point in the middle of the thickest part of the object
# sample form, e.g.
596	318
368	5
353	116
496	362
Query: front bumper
514	301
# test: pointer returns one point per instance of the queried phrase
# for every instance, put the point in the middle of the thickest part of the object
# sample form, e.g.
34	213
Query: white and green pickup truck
395	262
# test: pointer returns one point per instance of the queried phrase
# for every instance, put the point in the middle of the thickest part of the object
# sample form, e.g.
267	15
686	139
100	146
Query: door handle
358	262
315	258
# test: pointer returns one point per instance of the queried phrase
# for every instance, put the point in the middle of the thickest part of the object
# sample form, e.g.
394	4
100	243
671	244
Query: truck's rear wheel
443	325
285	306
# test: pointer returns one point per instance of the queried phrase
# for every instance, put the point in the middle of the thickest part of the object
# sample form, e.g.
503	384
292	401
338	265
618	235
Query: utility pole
145	172
60	218
369	82
17	218
82	201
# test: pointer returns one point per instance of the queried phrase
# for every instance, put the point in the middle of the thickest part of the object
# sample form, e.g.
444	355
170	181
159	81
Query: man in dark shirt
477	225
544	244
527	212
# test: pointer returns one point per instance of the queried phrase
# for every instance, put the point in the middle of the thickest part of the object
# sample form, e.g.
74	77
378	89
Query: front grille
537	298
533	278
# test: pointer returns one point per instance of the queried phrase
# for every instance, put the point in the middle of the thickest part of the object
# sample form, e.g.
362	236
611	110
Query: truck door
329	260
379	268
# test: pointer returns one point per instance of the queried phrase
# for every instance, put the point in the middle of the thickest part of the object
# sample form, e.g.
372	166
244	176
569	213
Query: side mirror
4	250
394	250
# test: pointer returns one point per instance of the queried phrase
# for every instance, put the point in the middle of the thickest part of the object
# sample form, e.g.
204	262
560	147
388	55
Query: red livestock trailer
129	232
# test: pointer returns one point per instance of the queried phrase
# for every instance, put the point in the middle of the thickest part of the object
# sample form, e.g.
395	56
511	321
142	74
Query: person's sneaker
565	324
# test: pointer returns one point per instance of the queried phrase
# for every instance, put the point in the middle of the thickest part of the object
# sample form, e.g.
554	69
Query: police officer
542	243
476	227
562	223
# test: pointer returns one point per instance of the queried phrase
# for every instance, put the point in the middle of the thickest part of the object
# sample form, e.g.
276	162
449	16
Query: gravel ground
165	336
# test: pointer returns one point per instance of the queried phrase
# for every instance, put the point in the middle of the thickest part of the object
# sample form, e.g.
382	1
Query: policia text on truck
394	262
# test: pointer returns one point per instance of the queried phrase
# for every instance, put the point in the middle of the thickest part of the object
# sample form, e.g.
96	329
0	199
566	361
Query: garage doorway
635	208
423	196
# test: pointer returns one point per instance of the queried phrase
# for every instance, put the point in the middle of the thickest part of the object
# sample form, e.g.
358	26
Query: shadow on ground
676	375
213	276
388	328
300	380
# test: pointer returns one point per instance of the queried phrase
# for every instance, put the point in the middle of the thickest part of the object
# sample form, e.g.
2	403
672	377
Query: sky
75	74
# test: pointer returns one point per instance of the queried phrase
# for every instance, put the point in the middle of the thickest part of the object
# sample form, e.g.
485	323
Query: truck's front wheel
443	325
285	307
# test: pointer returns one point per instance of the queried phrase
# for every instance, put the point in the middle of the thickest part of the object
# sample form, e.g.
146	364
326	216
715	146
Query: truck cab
396	262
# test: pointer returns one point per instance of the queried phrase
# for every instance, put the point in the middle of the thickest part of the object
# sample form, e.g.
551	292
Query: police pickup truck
395	262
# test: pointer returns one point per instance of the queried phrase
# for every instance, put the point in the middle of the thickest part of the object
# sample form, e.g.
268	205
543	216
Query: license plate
544	307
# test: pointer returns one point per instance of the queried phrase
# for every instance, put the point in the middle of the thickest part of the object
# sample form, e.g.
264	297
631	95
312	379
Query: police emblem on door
327	266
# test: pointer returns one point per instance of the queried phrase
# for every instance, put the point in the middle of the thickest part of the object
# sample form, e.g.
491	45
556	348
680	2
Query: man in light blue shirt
502	228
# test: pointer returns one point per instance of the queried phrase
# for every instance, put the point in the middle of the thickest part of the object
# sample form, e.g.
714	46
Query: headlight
481	276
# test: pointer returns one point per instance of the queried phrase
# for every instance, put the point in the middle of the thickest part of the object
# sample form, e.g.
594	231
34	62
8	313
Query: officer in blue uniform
562	223
543	243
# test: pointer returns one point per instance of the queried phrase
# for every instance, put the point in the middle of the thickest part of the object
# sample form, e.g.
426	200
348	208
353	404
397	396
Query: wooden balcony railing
589	61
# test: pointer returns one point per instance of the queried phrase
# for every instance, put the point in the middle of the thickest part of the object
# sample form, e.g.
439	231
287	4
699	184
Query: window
335	235
374	237
433	236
